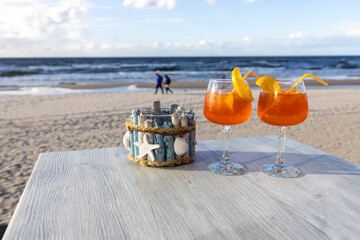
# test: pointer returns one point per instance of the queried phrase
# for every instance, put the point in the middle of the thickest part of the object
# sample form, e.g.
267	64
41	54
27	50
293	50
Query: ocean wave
314	68
48	72
174	68
214	62
266	64
50	68
149	65
259	64
348	66
37	91
17	73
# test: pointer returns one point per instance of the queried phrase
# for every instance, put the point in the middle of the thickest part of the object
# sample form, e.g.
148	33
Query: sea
45	73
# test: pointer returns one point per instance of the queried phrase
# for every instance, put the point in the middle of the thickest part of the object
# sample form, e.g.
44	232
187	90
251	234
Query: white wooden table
100	194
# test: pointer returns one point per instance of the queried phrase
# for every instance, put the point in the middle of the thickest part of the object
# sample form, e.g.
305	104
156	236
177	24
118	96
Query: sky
131	28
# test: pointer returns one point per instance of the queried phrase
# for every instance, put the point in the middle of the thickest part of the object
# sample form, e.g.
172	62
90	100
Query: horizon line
200	56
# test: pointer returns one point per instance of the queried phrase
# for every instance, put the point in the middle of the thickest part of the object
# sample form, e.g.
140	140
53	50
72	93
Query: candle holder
161	136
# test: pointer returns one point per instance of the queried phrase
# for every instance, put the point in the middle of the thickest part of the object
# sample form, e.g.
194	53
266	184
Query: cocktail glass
285	108
225	107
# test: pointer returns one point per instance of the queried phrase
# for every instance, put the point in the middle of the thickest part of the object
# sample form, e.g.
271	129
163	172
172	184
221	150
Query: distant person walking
159	80
167	84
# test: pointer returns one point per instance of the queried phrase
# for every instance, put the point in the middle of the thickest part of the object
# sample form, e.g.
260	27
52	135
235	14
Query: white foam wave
37	91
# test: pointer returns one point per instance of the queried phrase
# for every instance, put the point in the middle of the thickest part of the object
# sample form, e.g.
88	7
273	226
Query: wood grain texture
100	194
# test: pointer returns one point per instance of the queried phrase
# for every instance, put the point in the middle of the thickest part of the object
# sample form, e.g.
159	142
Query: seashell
183	120
181	109
126	140
180	146
175	119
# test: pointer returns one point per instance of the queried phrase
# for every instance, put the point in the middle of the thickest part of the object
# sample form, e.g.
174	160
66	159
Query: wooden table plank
100	194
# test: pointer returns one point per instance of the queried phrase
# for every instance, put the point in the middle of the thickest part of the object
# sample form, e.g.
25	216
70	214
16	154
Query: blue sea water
33	72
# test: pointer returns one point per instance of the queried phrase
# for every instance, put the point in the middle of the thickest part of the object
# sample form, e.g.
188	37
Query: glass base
280	172
227	169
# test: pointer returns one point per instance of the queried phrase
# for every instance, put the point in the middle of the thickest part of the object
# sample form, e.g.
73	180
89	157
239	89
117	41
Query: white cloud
153	4
247	39
155	48
105	46
156	45
36	19
353	32
249	1
296	43
75	47
296	35
203	43
124	46
247	46
211	2
43	28
90	46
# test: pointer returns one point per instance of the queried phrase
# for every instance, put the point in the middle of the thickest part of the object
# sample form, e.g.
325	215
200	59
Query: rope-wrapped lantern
161	136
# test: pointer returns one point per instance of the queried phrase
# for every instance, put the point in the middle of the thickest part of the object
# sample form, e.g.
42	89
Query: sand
36	124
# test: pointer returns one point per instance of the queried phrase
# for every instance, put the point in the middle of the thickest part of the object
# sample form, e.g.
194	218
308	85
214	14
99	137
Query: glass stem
226	145
280	156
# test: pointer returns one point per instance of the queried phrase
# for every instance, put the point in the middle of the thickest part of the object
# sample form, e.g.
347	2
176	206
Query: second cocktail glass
286	107
225	107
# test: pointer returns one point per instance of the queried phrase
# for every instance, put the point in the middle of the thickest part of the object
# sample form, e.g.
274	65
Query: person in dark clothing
159	80
167	84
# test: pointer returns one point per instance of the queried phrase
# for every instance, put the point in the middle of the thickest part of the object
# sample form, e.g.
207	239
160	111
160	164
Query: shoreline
201	84
194	84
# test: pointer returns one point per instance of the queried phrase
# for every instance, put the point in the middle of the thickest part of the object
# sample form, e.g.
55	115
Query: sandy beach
35	124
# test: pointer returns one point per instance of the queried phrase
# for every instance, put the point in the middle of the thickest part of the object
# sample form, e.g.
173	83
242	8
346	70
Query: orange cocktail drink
227	103
226	108
286	108
282	104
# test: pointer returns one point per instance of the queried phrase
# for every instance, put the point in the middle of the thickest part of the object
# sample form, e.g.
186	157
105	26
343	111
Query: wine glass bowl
284	108
225	107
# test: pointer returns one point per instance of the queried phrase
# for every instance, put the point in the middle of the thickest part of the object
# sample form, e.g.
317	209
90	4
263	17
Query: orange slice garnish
269	84
242	88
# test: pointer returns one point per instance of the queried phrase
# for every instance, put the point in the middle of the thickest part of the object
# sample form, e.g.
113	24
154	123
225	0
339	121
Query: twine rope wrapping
161	164
163	131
